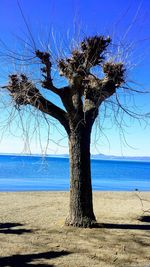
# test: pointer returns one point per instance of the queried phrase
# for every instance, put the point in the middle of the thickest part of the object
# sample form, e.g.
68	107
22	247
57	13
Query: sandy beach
32	231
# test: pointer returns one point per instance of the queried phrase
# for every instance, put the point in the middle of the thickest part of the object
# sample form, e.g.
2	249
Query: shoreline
67	191
32	230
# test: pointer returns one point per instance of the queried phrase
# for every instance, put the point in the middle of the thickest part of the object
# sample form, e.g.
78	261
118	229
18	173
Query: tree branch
25	93
98	90
72	102
46	70
48	107
91	53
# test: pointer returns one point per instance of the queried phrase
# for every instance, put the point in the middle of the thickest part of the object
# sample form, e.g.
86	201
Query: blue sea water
33	173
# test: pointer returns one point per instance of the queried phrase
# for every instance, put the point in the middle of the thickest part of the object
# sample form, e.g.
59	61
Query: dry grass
32	231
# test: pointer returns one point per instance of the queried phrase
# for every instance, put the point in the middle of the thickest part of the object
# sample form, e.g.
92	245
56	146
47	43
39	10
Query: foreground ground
32	231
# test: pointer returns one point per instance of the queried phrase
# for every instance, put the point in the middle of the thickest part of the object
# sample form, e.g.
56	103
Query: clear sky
127	22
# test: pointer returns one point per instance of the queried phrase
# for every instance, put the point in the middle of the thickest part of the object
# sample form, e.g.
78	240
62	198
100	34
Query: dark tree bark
81	204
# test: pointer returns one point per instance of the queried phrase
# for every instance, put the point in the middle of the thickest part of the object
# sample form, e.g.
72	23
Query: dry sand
32	231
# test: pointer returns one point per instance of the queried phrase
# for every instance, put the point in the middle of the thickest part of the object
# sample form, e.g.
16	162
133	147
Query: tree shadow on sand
25	260
10	228
122	226
145	218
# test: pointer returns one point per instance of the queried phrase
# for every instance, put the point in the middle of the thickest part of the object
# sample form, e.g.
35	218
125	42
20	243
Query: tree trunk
81	204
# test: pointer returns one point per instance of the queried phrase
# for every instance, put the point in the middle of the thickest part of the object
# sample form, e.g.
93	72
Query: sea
35	173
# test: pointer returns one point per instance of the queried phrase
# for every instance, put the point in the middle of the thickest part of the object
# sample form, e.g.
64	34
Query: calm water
27	173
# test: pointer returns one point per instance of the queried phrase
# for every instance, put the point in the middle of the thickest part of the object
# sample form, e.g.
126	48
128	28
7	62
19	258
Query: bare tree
81	100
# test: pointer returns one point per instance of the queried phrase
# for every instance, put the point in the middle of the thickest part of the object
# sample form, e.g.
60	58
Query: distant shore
93	156
32	228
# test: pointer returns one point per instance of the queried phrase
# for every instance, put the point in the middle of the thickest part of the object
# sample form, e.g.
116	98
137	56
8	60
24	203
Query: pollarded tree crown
92	52
85	92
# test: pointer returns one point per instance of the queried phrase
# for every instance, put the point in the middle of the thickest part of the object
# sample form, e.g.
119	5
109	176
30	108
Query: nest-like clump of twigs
115	72
93	49
91	53
43	56
21	90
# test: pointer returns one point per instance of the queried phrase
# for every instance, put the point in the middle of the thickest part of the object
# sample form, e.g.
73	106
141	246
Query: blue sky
128	22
